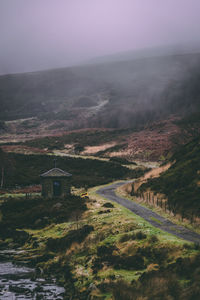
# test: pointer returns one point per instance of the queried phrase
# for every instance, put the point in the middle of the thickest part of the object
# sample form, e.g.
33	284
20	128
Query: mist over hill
159	51
118	94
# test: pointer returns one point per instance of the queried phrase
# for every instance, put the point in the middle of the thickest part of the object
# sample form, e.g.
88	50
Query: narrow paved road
108	192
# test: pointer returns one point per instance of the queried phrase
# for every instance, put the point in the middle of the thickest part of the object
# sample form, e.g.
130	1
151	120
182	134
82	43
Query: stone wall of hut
47	187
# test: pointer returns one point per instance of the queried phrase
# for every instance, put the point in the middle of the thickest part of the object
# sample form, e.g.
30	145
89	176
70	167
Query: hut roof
56	172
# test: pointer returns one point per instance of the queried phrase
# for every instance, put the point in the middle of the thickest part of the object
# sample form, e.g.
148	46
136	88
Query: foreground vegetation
102	251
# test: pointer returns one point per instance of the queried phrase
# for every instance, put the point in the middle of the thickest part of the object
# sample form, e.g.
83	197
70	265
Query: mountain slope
117	94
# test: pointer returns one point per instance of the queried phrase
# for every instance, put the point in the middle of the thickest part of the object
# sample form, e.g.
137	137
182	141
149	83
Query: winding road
153	218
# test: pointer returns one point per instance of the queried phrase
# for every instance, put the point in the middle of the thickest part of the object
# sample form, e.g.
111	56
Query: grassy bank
181	182
160	211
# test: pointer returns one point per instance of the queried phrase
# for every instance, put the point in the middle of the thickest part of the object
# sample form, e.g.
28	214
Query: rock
57	205
38	289
18	290
92	287
38	222
39	297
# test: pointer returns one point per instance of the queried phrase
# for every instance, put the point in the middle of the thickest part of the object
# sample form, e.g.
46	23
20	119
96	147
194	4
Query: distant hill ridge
164	50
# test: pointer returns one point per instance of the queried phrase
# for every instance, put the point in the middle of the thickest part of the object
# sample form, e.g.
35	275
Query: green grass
156	220
52	231
108	228
151	230
120	274
144	225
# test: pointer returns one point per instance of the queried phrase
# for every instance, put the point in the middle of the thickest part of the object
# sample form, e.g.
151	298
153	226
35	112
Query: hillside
24	170
181	182
114	95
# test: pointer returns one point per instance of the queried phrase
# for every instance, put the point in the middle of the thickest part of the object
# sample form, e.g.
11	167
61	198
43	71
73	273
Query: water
20	283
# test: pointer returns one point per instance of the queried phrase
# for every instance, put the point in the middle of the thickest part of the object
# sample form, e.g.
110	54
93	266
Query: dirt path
156	220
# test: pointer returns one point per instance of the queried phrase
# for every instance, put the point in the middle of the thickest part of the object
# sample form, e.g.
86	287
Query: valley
94	247
99	150
128	132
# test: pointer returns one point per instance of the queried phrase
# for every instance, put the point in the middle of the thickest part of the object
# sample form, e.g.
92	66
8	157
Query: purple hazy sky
40	34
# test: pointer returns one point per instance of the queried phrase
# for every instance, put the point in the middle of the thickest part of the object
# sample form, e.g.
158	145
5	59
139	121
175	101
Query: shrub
124	238
104	251
108	205
140	235
104	212
153	239
133	262
123	290
127	237
122	161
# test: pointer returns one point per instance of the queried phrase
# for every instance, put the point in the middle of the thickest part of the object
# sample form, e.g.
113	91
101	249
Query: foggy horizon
40	34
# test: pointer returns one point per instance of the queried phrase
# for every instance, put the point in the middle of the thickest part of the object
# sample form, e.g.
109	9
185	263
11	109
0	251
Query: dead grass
95	149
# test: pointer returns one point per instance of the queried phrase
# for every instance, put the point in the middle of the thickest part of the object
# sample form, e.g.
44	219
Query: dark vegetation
108	204
127	237
138	92
177	281
23	170
37	212
190	129
2	126
122	161
80	139
181	182
160	276
138	259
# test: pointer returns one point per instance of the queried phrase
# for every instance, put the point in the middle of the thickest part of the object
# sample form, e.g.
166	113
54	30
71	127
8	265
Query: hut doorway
56	188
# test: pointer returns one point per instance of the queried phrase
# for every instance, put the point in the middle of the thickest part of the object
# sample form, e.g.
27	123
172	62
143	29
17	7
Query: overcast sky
41	34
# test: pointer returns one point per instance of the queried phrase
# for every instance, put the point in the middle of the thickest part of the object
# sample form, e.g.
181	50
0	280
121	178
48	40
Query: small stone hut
55	183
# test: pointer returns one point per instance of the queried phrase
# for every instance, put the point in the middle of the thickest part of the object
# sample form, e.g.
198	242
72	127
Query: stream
19	282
